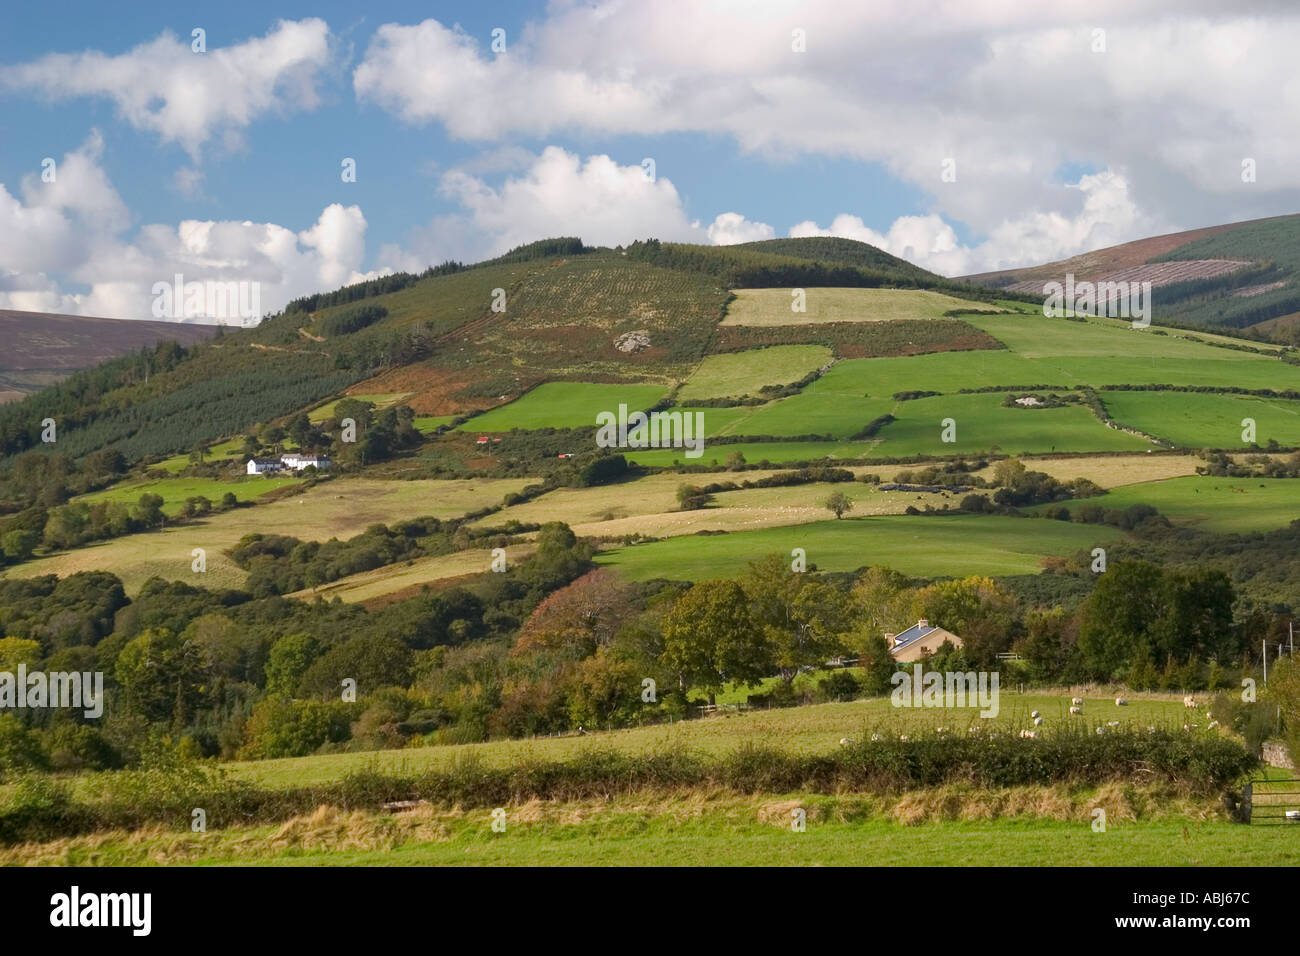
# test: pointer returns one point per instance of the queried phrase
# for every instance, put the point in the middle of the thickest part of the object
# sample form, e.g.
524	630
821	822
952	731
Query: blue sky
1057	146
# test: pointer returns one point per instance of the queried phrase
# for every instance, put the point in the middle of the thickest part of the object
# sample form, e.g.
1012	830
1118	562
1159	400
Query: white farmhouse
264	466
290	462
299	462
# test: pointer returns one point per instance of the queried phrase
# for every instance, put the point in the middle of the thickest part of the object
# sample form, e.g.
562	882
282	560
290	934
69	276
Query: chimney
924	622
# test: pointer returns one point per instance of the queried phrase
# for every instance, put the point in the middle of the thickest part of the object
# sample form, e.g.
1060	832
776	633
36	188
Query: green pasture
810	729
174	491
1229	505
428	423
1203	420
565	405
218	452
736	374
950	546
814	411
983	423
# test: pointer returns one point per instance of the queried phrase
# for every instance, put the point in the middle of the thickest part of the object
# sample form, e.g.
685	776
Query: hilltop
564	311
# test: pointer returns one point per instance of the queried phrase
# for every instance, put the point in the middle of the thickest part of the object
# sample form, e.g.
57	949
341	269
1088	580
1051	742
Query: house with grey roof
919	640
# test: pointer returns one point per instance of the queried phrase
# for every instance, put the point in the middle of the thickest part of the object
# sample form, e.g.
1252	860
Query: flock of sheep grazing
1076	709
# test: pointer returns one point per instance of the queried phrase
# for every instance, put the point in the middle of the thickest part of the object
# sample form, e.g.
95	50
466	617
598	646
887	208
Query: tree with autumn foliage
580	617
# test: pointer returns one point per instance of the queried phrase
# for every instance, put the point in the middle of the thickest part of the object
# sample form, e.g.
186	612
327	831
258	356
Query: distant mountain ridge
1243	275
41	348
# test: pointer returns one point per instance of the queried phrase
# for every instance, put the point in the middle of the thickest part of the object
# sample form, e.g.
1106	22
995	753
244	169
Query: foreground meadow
1041	827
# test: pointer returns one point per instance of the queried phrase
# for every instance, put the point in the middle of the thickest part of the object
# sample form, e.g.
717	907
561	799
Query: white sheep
1112	723
1120	702
1038	721
1212	724
875	736
1101	730
1076	701
1076	710
845	741
1028	733
1034	715
1189	701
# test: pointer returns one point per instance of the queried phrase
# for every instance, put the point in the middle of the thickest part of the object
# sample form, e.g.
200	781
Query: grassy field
565	405
814	411
1197	420
324	412
810	729
948	371
1231	505
984	423
698	829
1061	353
427	423
410	574
1111	471
651	494
174	491
736	374
774	452
957	824
768	307
950	546
222	450
334	509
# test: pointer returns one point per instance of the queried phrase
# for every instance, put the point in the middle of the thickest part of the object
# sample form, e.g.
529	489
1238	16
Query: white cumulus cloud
187	97
65	247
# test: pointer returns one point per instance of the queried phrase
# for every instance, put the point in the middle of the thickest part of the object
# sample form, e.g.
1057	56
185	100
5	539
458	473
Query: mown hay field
715	456
1111	471
410	576
765	307
651	494
340	508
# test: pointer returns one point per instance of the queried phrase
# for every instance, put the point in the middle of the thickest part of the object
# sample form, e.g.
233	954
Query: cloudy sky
966	135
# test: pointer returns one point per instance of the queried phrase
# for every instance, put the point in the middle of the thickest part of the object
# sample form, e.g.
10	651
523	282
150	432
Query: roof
913	633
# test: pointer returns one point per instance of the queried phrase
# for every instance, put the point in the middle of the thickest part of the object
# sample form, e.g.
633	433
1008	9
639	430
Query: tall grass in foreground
1201	764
